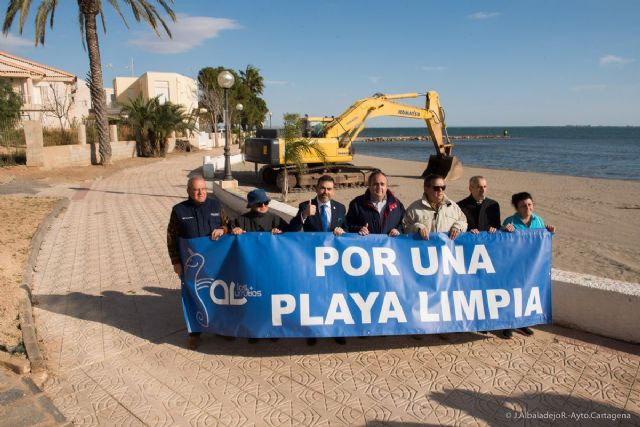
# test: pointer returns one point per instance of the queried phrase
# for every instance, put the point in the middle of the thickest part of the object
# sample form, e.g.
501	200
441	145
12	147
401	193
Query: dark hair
430	178
374	174
326	178
518	197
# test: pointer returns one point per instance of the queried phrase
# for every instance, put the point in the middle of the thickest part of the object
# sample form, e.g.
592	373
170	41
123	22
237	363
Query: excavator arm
346	127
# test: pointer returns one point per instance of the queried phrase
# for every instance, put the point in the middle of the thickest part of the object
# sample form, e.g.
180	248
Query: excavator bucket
449	167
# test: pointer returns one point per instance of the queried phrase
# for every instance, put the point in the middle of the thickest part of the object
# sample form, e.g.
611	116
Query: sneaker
312	341
341	340
507	333
526	331
253	340
483	332
193	341
274	339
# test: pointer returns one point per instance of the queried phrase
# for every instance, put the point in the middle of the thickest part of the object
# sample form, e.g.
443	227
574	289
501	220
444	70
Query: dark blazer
362	211
314	223
482	216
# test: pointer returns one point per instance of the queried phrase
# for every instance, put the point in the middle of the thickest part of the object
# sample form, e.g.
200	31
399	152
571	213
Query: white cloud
589	88
187	33
10	41
614	60
478	16
374	79
433	68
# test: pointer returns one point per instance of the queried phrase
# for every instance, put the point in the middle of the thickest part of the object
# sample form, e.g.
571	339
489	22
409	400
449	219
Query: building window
161	90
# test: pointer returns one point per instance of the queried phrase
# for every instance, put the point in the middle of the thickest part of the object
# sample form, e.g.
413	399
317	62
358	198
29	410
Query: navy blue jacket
189	220
314	223
362	211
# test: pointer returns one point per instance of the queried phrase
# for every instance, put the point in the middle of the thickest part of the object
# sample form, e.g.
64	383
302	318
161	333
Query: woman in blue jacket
523	219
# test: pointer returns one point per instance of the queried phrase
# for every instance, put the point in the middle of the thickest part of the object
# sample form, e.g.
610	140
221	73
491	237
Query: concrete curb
593	304
27	324
597	305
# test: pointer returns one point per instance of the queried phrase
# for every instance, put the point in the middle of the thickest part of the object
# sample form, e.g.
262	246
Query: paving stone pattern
22	403
108	312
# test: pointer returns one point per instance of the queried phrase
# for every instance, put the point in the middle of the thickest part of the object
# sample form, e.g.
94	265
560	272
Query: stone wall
74	155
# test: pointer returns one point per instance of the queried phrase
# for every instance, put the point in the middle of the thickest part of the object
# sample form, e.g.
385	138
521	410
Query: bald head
197	189
478	188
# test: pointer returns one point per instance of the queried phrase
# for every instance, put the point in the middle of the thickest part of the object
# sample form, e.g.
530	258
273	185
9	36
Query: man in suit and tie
321	213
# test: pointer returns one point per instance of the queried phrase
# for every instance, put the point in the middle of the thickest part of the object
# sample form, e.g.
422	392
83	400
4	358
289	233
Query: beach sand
597	220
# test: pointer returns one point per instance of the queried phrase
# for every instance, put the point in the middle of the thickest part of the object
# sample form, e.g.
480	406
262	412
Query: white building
48	94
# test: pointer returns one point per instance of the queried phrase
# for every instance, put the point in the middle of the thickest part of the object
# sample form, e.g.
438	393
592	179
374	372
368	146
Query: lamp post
239	108
269	119
226	80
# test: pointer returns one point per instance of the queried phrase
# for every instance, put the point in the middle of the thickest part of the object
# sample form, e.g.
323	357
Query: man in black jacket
198	216
377	211
321	213
483	214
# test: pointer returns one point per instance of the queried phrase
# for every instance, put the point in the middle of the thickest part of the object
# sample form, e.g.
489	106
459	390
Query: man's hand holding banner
318	285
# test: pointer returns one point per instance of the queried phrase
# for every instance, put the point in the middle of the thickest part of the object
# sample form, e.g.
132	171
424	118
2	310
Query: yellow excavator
334	137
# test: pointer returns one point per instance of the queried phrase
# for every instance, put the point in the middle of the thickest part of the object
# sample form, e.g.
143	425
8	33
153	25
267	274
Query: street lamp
225	81
239	108
269	119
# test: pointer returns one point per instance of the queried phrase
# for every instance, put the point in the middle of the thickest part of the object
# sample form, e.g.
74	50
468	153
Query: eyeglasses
261	204
439	187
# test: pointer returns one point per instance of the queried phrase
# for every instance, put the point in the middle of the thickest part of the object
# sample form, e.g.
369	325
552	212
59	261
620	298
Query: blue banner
318	285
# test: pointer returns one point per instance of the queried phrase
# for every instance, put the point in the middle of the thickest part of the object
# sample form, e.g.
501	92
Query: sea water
591	151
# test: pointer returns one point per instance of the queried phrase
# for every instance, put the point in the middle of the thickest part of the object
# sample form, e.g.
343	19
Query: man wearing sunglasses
434	212
258	218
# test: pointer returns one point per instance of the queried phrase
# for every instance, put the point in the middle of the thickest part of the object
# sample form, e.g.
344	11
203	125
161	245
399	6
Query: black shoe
312	341
193	341
483	332
274	339
526	331
340	340
507	333
253	340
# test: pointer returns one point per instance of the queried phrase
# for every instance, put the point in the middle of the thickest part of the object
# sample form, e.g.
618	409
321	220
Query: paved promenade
107	309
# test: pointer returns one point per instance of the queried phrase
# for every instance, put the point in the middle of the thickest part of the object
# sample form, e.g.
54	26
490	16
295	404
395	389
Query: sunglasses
439	187
261	204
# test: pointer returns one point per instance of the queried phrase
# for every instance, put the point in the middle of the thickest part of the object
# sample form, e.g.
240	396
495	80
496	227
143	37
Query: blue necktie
324	216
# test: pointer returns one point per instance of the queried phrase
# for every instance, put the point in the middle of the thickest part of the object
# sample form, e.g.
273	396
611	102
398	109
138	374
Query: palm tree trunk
98	97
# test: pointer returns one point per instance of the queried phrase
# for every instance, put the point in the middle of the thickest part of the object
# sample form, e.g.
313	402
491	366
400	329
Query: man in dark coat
258	218
483	214
321	213
377	211
198	216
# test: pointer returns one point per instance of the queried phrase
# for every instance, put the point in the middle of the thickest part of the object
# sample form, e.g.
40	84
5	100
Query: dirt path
21	211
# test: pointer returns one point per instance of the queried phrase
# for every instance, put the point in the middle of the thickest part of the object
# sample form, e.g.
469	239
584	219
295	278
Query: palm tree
252	79
138	114
154	122
295	147
88	12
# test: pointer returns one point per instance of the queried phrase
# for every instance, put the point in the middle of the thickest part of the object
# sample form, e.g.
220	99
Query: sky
494	63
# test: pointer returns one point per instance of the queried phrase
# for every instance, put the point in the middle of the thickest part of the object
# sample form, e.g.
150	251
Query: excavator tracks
344	175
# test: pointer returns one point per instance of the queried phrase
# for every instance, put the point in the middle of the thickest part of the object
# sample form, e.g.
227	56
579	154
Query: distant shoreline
424	138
